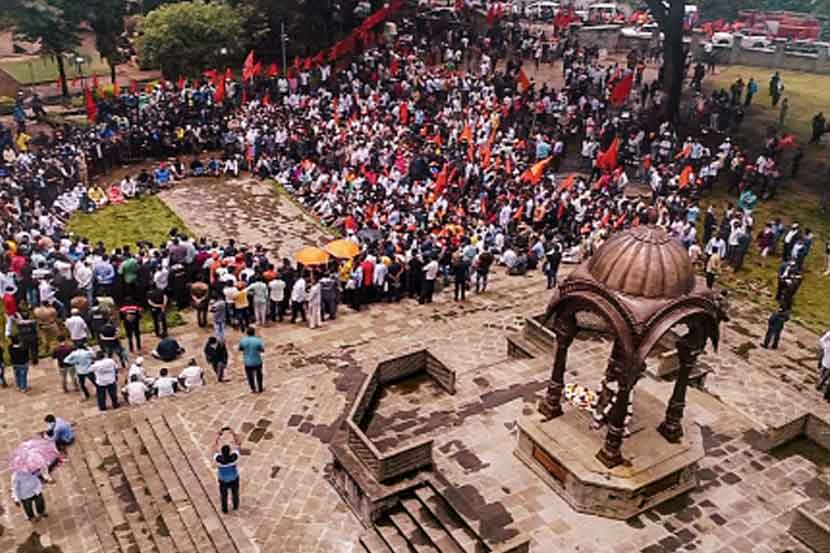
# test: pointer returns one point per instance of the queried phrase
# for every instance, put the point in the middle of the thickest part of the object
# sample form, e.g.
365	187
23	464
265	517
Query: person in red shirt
10	309
368	269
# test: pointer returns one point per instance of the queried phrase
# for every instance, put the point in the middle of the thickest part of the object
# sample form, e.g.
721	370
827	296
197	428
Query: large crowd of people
439	158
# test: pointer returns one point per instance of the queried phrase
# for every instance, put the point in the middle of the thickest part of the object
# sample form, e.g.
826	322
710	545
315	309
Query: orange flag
683	180
467	133
568	183
607	160
522	82
685	152
534	174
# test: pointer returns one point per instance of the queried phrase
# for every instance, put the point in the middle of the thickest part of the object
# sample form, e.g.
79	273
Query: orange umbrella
342	249
311	256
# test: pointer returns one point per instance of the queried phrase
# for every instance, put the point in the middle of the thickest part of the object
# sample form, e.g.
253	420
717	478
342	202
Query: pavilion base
562	452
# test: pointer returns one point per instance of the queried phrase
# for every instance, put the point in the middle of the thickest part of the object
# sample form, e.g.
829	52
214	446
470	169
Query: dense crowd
438	174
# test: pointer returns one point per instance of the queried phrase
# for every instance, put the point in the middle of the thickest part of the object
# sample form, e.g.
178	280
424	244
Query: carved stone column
688	349
551	406
610	454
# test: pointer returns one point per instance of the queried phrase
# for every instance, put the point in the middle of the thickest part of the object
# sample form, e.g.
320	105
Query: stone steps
93	506
412	533
429	525
373	543
227	531
444	517
174	493
100	488
167	519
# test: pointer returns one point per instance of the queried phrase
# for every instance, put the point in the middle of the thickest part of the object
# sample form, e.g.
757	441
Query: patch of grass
44	69
146	218
797	200
759	277
809	93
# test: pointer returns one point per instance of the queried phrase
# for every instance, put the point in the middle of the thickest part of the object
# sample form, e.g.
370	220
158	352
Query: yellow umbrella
311	256
342	249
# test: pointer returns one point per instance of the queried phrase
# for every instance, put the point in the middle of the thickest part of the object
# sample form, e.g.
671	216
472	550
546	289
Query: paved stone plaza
140	479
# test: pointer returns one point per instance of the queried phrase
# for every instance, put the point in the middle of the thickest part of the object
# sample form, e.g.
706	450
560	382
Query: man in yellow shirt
241	306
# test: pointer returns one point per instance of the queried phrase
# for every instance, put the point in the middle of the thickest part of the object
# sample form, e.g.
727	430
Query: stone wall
772	58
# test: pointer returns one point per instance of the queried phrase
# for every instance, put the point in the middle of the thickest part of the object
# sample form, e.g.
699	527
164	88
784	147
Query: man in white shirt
276	295
135	393
106	373
298	300
430	273
824	361
165	385
192	376
78	330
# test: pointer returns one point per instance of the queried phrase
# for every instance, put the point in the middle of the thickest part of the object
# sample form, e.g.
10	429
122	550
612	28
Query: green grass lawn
146	218
44	69
798	200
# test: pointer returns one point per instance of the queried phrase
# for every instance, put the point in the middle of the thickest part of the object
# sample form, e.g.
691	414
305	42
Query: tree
183	38
54	24
106	17
669	15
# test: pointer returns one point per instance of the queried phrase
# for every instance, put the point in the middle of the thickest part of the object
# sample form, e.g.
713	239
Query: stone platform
562	451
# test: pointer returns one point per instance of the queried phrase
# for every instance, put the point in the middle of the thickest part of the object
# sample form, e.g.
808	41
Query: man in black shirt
20	362
66	370
111	344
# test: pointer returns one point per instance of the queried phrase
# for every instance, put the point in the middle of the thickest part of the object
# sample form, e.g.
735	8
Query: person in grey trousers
329	293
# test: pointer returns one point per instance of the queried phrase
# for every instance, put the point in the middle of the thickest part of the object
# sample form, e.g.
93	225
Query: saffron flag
441	181
91	108
683	179
466	134
568	183
116	88
219	95
685	152
621	90
534	174
248	67
522	82
607	160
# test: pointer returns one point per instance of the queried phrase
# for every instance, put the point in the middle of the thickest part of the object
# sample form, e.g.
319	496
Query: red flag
248	67
211	74
91	108
133	86
219	95
522	82
333	52
393	66
95	83
267	100
297	62
621	90
568	183
319	59
182	82
404	109
244	95
787	141
707	28
459	5
607	160
308	64
273	70
228	74
683	179
257	68
441	180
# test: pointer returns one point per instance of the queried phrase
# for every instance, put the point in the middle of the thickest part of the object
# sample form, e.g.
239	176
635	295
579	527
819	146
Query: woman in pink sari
115	195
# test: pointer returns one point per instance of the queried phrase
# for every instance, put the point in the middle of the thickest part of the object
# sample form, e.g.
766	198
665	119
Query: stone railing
390	464
775	57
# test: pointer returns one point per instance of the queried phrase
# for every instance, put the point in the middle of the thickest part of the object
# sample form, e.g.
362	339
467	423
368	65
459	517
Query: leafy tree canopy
55	24
183	38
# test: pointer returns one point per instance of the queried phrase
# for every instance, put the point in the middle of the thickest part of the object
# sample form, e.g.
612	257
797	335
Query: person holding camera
228	475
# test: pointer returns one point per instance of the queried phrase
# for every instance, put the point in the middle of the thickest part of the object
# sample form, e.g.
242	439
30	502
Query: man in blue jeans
252	348
20	362
228	475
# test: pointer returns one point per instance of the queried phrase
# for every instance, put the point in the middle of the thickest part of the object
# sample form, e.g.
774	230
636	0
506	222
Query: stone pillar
688	350
610	454
551	406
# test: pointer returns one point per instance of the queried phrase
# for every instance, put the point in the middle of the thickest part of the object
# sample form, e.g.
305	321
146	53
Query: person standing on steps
775	326
226	458
252	349
217	355
27	491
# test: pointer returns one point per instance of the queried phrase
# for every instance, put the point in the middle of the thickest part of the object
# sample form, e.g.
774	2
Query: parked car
644	31
541	11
